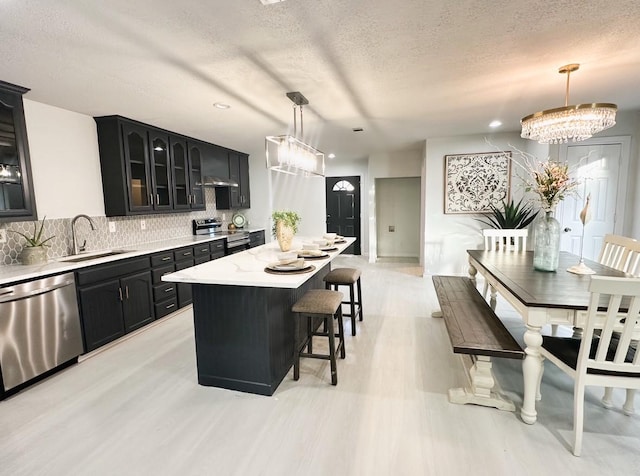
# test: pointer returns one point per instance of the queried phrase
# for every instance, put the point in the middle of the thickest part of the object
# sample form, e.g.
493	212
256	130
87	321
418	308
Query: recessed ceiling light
269	2
332	155
495	123
221	105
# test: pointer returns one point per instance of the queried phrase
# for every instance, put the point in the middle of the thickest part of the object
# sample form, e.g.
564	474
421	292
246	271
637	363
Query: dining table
540	298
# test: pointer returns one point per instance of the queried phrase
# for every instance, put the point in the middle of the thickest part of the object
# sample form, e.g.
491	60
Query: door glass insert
161	171
11	190
343	186
137	163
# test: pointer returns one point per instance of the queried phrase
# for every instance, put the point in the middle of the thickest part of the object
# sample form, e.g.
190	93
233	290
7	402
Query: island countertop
248	268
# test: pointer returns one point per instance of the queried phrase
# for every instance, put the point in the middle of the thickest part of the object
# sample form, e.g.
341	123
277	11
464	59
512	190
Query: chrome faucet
74	242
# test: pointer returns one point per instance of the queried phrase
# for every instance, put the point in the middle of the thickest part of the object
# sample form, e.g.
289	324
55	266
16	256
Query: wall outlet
3	235
224	216
112	227
143	225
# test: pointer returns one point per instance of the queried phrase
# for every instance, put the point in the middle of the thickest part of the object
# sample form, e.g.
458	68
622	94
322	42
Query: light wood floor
136	409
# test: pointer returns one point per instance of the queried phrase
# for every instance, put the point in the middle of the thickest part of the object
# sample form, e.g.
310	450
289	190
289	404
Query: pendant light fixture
290	154
575	123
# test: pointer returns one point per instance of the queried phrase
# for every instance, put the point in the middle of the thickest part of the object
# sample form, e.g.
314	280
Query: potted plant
285	225
512	216
34	251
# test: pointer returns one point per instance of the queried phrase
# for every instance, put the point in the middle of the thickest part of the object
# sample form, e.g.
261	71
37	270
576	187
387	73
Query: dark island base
244	335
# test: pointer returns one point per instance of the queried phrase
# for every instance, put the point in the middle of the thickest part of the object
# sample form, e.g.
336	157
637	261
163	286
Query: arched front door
343	209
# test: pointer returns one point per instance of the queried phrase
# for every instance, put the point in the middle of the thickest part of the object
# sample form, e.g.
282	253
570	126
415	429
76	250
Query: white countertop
20	272
247	268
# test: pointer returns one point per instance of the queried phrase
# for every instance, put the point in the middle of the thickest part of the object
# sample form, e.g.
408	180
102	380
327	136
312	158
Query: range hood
214	181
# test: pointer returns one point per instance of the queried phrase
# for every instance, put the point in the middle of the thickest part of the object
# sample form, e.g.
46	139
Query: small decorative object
552	183
34	251
585	217
285	225
474	182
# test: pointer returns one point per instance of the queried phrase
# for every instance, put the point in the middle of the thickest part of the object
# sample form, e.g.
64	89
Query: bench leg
483	389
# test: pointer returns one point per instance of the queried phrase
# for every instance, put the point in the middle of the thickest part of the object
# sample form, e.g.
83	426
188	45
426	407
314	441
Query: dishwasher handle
11	294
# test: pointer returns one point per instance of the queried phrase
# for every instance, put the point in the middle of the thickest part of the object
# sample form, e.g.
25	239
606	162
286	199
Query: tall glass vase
546	243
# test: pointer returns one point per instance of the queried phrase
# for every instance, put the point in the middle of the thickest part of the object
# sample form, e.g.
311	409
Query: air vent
357	129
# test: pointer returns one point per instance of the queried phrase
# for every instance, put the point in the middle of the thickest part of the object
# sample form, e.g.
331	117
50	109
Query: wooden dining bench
477	334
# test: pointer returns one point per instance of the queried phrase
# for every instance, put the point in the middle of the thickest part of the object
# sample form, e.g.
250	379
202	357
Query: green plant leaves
512	216
36	239
290	218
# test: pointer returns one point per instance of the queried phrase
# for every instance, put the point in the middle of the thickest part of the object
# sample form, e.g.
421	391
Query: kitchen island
242	316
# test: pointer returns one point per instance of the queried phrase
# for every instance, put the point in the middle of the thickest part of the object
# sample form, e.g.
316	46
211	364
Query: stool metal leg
332	350
352	305
359	298
341	334
296	350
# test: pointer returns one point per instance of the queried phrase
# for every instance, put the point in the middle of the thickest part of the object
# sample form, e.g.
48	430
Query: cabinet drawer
201	250
183	254
218	254
184	264
217	246
160	271
115	269
201	259
166	307
163	291
161	258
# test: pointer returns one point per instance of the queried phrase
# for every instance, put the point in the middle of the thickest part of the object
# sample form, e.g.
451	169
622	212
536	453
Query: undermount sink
91	255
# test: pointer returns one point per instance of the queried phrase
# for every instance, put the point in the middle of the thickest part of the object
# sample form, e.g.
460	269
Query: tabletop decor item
34	251
285	225
552	183
512	215
585	217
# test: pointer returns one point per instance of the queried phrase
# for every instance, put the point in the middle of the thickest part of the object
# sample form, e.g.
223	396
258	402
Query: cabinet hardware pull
150	199
204	249
189	199
170	306
120	293
126	291
158	198
166	258
168	290
186	253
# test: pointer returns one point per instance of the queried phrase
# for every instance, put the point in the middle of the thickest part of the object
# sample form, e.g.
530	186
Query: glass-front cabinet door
161	197
136	146
180	168
195	177
16	189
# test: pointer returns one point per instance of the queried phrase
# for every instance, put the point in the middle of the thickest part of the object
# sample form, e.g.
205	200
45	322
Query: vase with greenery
285	225
511	216
34	251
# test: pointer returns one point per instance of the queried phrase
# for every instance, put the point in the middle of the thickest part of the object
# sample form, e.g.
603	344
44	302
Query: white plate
307	254
239	220
328	248
288	267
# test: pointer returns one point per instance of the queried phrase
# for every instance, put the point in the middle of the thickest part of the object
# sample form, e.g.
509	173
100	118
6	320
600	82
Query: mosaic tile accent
128	231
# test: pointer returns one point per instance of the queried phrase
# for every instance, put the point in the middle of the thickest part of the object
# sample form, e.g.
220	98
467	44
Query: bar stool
324	304
347	277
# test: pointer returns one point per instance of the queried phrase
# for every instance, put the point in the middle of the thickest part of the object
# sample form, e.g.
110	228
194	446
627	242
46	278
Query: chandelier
576	123
290	154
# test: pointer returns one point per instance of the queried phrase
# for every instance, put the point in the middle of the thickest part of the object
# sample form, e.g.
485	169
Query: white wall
408	163
398	205
65	162
447	237
343	168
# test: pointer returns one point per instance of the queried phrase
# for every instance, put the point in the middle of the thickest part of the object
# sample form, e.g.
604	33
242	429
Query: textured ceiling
402	70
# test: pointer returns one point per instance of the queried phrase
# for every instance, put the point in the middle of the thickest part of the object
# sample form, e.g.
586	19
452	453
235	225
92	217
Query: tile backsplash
128	231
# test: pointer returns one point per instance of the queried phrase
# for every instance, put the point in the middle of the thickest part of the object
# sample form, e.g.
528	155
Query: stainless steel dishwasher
39	328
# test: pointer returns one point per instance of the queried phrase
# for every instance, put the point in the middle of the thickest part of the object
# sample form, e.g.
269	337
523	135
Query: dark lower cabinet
114	298
256	238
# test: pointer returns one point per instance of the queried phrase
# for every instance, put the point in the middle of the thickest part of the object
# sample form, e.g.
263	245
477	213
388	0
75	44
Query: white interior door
598	166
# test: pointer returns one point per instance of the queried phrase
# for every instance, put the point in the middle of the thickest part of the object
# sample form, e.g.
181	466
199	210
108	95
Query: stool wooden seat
347	277
326	305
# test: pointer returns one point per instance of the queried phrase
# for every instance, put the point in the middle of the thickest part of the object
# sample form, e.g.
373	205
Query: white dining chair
608	359
503	240
623	254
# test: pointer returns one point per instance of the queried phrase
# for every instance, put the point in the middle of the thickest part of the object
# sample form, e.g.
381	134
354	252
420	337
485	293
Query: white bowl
320	243
310	246
330	236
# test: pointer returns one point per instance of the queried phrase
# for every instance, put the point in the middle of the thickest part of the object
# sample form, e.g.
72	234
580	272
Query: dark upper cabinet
196	158
180	168
235	197
161	173
16	187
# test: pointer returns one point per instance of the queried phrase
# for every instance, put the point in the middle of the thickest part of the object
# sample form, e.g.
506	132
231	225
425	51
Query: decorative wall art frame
473	182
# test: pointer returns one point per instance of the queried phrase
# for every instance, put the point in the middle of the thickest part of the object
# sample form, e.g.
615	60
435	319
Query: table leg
494	298
531	368
472	274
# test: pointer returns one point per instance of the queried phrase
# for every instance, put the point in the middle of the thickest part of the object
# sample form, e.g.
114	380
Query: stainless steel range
235	241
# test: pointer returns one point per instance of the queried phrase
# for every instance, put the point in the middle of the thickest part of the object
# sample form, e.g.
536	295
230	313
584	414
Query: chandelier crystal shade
290	154
575	123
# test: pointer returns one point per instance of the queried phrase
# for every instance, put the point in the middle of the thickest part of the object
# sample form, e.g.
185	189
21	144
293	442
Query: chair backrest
621	253
620	326
496	239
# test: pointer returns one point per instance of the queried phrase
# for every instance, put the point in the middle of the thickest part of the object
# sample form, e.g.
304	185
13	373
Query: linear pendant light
290	154
575	123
